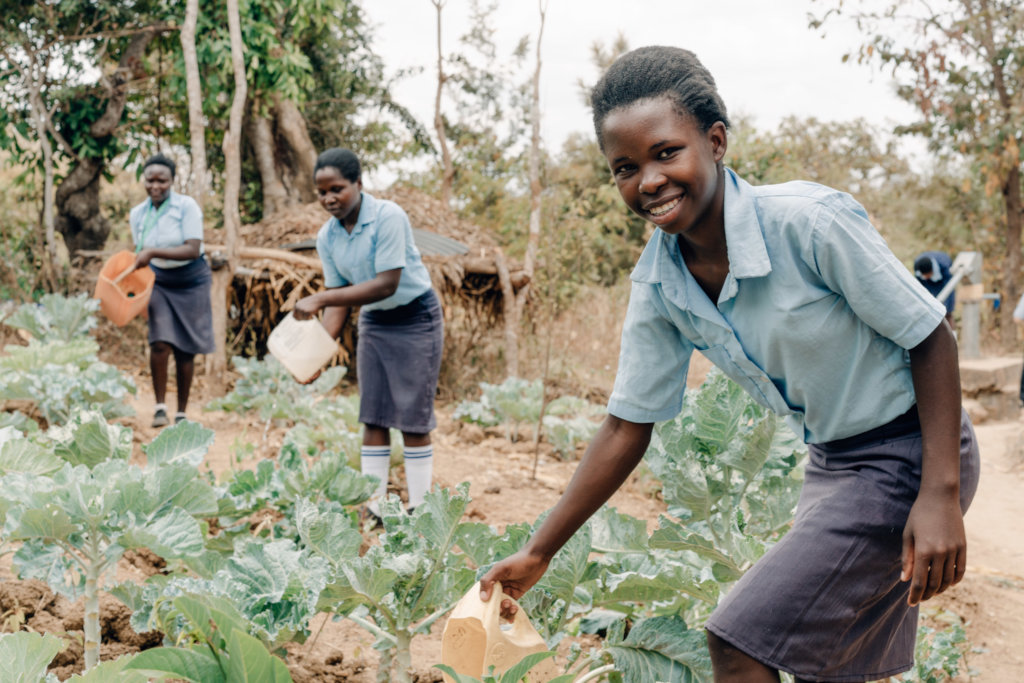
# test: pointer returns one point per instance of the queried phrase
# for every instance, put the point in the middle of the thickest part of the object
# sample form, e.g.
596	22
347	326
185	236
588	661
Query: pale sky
768	64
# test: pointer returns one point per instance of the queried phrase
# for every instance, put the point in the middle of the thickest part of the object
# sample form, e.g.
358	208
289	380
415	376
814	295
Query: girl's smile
667	170
157	180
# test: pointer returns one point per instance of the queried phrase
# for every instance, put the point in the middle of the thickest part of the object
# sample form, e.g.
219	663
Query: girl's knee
732	664
415	440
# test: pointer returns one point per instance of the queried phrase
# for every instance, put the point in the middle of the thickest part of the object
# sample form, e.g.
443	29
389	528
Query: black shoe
378	522
160	418
180	417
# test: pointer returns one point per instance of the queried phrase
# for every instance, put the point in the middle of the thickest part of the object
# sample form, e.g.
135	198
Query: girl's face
157	179
665	167
339	195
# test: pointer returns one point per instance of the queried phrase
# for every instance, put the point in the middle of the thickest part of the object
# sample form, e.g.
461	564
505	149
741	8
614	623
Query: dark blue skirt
826	603
398	359
179	308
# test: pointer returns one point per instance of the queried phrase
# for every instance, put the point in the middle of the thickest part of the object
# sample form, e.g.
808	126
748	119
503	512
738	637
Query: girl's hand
517	574
934	547
142	258
306	308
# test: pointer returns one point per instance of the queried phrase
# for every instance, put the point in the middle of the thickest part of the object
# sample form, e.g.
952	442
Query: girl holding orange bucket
167	230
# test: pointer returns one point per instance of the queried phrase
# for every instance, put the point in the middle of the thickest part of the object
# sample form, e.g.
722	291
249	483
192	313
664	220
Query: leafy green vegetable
56	317
26	655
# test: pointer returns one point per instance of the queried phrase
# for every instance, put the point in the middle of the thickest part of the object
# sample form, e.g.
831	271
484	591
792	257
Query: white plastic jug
302	346
476	638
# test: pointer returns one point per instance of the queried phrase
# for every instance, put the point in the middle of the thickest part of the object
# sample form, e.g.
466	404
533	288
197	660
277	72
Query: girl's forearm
936	375
334	320
380	287
612	455
185	252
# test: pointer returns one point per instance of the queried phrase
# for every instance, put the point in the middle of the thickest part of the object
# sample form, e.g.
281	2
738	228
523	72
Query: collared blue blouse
381	240
183	220
813	319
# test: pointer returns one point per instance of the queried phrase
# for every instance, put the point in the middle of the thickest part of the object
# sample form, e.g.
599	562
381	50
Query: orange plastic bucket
122	297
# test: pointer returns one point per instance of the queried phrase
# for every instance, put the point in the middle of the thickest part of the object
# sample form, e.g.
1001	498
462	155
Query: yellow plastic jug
476	638
302	346
123	292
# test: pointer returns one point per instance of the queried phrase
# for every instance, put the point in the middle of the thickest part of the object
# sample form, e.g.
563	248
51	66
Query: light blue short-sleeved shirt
183	220
813	320
381	240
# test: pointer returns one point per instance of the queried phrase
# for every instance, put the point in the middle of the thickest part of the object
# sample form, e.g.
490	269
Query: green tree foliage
961	63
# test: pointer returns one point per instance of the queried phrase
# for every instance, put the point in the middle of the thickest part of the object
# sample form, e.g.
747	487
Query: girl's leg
375	459
184	368
733	666
419	466
159	353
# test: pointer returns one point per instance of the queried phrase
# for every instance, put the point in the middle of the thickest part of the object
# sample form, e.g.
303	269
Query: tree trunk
533	238
447	167
40	118
511	315
232	184
297	157
78	197
1012	265
261	137
196	129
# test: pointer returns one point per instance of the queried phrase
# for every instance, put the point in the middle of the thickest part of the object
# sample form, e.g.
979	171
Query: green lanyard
150	220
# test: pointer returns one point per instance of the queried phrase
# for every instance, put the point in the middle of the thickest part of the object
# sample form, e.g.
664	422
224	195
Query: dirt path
991	597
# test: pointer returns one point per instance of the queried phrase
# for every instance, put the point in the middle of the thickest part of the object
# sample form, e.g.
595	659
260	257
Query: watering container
302	346
123	295
477	638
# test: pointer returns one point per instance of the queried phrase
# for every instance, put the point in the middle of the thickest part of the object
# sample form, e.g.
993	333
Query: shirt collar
169	201
367	211
748	254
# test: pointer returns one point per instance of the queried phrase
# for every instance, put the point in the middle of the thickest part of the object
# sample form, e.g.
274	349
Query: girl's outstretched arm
614	452
934	542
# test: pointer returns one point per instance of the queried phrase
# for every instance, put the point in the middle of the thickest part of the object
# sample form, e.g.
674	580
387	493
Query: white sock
160	406
376	460
419	465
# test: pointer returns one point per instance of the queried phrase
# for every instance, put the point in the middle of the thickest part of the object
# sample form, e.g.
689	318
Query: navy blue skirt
398	360
179	308
826	603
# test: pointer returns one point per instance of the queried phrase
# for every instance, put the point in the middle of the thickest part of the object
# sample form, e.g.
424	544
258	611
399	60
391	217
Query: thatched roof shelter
279	265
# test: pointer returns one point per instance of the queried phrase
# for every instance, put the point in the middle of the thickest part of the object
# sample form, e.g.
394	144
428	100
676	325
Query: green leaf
197	666
519	670
25	655
212	618
250	662
185	442
172	535
87	439
113	671
329	534
615	532
47	523
21	455
662	649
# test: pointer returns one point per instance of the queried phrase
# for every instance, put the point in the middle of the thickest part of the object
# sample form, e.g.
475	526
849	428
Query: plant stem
596	673
373	628
91	623
403	657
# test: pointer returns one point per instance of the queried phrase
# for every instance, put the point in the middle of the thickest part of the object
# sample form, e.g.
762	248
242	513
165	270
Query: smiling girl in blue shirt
167	230
795	296
371	261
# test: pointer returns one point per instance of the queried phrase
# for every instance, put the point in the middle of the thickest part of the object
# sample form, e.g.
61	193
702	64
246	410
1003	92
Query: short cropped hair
659	71
345	160
160	160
